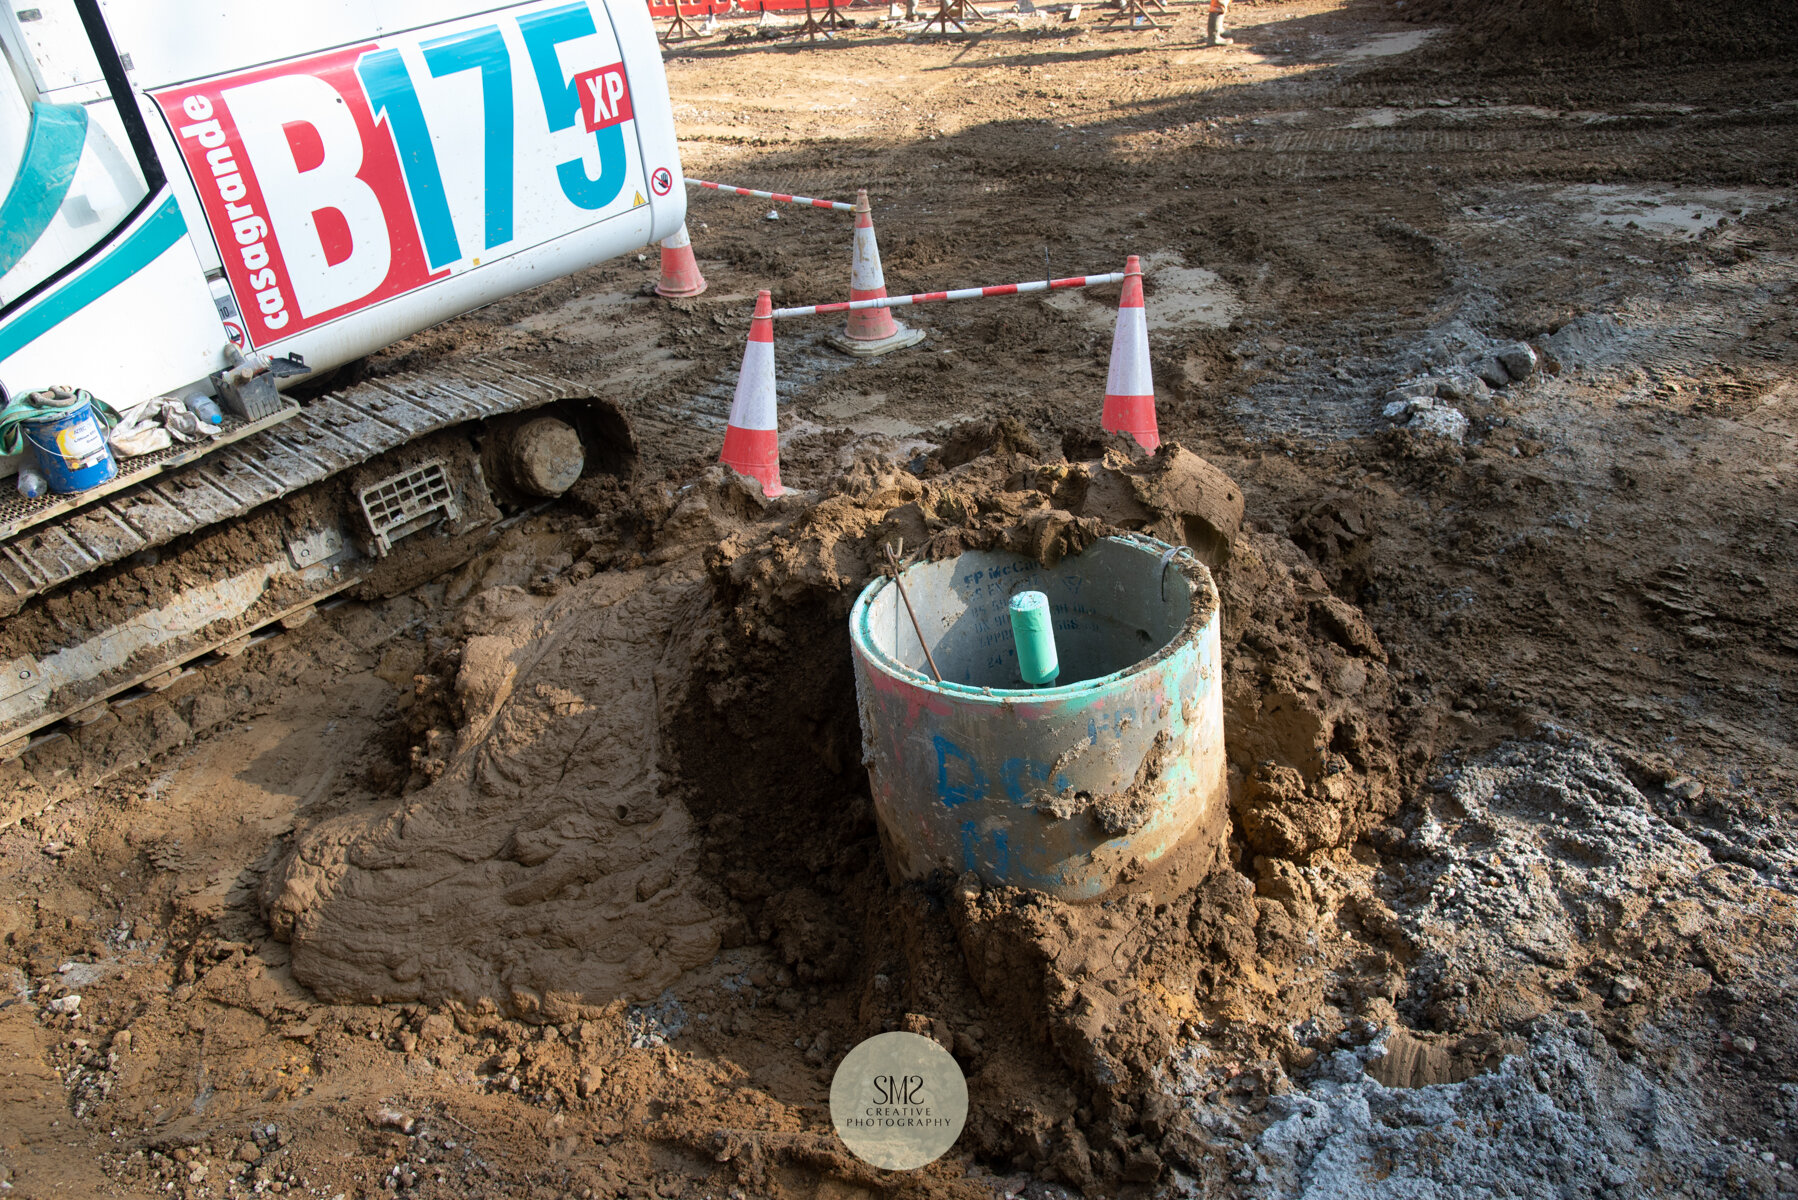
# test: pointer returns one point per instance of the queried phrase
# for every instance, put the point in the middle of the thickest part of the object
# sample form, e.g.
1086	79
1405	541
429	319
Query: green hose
1035	638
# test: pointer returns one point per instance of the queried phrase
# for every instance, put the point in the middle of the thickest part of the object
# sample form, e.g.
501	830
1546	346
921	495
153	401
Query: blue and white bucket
71	447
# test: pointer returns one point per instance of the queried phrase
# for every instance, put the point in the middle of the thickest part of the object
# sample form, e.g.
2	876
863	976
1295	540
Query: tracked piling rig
234	199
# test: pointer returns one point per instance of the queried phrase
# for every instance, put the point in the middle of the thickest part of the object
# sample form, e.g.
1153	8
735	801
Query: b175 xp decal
340	180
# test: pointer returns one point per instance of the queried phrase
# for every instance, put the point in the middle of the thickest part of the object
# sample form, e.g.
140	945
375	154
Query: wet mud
557	874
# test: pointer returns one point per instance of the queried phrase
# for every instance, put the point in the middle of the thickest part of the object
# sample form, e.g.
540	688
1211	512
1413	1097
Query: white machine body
319	179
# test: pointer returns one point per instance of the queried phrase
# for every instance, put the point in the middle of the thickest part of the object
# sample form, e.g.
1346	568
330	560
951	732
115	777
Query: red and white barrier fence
752	439
783	197
701	8
979	293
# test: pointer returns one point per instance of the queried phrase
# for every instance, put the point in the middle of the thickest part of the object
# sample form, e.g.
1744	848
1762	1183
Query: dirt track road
1583	608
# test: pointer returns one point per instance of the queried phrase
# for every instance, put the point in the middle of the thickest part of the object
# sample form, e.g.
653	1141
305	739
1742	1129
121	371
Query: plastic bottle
205	408
32	483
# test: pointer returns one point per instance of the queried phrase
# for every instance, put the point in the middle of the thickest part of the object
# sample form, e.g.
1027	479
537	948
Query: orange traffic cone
752	440
1129	391
680	270
870	331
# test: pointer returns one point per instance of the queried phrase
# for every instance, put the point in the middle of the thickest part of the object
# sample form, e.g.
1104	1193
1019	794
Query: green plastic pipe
1035	639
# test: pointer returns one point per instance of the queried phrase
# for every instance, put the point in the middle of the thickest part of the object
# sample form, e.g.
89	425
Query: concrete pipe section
1060	788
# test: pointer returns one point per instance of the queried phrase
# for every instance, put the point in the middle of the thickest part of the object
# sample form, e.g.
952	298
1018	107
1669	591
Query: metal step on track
327	436
17	514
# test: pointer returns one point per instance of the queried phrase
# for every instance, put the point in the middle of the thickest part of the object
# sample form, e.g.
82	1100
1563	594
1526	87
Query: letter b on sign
328	222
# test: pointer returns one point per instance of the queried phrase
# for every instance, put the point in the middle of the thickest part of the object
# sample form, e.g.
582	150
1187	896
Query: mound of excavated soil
652	763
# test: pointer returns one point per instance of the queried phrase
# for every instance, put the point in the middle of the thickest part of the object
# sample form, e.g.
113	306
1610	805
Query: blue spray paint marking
1114	723
1000	865
954	794
543	32
485	50
395	100
1018	773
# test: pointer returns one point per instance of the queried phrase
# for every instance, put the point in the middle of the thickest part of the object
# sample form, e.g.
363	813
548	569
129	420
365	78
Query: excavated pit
1072	788
658	765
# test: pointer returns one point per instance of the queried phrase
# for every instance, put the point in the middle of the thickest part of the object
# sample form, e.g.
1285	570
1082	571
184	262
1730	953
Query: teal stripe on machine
139	248
52	152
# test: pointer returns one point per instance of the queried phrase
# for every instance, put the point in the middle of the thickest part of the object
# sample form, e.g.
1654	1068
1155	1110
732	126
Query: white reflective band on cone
1129	374
753	405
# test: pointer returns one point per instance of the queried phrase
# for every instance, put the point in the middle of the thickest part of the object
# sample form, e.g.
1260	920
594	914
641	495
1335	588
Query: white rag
157	424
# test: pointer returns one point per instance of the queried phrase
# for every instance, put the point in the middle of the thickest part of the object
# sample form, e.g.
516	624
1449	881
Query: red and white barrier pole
783	197
979	293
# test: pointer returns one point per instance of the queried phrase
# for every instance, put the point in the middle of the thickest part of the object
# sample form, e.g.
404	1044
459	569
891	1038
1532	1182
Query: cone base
1132	415
756	454
772	493
765	478
679	276
904	336
1149	441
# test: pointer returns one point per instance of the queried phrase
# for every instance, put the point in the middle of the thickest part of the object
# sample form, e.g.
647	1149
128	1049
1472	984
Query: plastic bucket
1067	788
71	448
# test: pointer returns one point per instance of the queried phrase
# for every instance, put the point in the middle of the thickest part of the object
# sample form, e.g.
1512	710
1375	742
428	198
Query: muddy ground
557	876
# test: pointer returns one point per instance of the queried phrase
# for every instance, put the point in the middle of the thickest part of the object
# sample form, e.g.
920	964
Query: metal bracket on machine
405	503
314	546
247	388
19	680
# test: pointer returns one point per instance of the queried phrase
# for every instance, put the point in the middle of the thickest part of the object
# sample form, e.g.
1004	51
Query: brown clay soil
558	875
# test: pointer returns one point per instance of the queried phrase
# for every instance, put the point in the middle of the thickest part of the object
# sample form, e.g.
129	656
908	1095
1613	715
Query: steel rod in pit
783	197
979	293
915	627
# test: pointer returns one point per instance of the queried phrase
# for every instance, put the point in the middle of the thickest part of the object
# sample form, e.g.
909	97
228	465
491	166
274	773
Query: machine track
326	437
186	561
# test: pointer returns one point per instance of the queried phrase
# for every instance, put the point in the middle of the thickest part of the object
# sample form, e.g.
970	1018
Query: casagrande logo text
896	1102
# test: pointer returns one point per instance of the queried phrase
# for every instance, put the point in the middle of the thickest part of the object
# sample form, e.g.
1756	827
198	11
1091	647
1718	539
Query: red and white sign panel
337	181
605	97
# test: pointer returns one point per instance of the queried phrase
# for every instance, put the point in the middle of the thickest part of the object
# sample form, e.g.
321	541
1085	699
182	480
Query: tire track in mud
548	863
673	432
